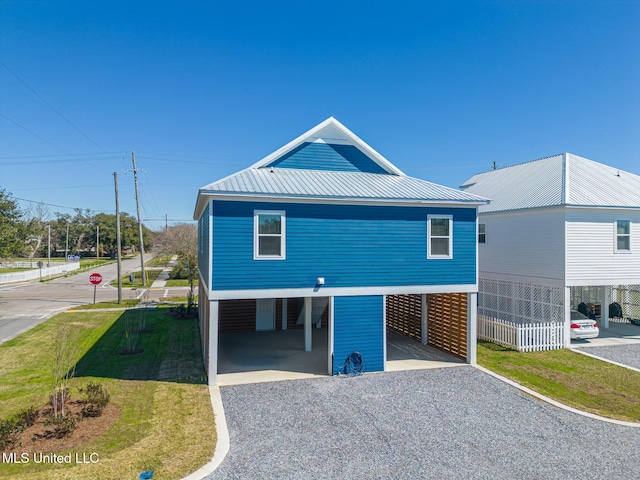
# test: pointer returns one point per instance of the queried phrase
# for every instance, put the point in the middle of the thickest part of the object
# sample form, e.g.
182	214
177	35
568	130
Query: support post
284	313
424	326
307	324
472	328
605	307
212	350
566	304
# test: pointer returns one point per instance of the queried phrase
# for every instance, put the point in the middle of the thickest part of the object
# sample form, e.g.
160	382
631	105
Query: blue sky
200	90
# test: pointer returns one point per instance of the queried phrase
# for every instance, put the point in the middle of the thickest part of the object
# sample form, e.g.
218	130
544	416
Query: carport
249	356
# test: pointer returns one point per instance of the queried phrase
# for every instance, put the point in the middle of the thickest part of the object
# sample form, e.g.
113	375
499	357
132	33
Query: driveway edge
554	402
579	350
222	444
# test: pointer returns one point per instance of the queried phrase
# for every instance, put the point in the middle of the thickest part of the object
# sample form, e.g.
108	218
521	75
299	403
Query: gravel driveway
442	423
625	354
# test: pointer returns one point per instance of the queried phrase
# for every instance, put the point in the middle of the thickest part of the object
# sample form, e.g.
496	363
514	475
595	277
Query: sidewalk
158	289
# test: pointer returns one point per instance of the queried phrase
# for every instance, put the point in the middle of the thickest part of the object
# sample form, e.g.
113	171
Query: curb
555	403
579	350
222	445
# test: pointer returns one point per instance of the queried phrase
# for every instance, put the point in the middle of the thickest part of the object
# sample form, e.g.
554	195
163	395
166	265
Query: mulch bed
40	438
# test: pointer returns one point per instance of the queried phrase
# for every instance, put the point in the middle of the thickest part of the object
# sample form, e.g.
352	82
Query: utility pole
118	254
66	245
135	179
97	242
166	221
48	245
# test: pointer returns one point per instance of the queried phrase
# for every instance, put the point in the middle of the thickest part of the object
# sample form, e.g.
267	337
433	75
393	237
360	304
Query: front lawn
152	274
570	378
165	424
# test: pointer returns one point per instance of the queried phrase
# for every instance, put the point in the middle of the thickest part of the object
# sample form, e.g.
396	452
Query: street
23	306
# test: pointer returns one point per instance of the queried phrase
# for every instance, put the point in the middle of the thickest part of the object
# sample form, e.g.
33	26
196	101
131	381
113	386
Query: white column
384	333
567	317
472	327
307	324
330	338
284	313
605	307
213	343
424	325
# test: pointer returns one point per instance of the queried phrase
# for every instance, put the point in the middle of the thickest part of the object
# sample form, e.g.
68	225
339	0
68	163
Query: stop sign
95	278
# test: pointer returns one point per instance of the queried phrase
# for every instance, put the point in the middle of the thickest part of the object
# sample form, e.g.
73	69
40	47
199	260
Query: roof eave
246	197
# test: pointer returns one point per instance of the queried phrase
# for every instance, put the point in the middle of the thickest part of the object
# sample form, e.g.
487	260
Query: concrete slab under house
325	248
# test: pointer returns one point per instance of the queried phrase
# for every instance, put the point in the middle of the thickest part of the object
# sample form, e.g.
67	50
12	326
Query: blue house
327	233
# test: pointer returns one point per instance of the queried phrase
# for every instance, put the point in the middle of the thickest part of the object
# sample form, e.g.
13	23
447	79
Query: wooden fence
525	337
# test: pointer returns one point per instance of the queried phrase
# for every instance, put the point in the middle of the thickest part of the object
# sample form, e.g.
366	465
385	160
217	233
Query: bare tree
65	350
182	240
38	216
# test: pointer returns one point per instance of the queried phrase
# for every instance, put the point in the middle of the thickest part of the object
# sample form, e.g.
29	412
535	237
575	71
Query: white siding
591	257
523	244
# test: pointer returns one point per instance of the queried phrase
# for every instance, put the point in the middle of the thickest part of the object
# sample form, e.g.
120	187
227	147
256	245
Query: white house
559	231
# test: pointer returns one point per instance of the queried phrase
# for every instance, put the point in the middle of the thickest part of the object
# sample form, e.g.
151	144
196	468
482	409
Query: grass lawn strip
166	422
570	378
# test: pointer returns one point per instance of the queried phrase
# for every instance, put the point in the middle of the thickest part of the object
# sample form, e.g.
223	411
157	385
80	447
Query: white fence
35	274
524	337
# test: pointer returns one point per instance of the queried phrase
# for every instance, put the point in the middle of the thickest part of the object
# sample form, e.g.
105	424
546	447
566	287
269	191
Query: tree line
25	233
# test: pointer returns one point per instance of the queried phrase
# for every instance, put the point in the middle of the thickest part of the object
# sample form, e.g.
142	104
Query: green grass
126	303
180	282
570	378
165	424
159	261
152	274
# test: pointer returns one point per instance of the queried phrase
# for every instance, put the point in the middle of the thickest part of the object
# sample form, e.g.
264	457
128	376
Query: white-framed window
439	236
269	235
482	233
623	235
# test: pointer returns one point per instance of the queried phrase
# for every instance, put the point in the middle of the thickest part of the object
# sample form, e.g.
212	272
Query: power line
52	107
54	205
59	155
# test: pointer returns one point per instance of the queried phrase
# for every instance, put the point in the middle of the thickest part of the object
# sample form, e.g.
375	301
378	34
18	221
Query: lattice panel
404	314
447	322
520	302
628	296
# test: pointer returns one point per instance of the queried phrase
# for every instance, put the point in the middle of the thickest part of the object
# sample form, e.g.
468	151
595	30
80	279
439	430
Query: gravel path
442	423
625	354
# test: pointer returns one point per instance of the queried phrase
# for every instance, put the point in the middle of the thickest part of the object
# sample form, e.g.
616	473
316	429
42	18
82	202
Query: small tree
65	350
182	240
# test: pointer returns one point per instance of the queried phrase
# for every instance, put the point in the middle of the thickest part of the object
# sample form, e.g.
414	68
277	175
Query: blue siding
359	326
203	244
323	156
351	246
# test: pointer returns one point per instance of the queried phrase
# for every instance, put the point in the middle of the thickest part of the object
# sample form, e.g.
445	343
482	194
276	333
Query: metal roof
564	179
322	184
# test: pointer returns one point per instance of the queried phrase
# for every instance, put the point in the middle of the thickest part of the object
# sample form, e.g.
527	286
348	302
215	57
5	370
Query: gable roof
560	180
329	163
331	132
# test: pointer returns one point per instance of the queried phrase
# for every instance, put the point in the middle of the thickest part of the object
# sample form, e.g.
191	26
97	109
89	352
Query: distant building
558	232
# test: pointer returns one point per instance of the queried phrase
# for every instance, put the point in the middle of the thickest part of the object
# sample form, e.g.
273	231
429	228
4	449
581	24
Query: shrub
97	398
63	424
28	417
10	431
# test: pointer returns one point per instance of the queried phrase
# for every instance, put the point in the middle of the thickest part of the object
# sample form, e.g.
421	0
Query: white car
582	327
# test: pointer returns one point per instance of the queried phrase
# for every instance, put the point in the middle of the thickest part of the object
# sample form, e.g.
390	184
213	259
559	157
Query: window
482	233
268	235
439	236
623	236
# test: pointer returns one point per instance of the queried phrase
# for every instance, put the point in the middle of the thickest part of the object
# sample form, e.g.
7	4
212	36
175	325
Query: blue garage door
358	325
